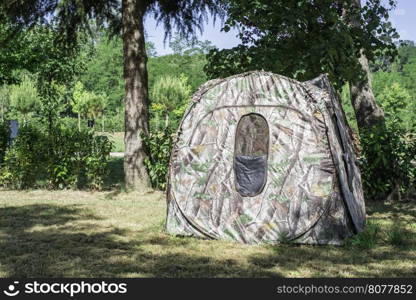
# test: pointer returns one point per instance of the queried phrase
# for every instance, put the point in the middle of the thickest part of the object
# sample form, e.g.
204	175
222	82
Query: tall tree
305	38
186	16
87	104
24	98
170	97
136	98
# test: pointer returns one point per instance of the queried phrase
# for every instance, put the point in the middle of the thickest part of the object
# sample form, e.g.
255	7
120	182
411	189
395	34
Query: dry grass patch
114	234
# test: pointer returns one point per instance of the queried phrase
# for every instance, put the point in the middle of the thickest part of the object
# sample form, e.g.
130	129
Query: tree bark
136	101
367	111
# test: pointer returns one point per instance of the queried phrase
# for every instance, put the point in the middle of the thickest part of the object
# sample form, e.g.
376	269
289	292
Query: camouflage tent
261	158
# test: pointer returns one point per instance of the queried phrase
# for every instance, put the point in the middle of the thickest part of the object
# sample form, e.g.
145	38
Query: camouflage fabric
312	192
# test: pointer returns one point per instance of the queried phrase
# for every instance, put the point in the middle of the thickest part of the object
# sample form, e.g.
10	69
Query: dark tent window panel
250	154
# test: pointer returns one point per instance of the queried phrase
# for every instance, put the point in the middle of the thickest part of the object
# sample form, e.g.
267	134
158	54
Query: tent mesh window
250	154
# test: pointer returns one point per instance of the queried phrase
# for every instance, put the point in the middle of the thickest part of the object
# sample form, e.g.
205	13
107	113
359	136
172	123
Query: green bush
4	138
96	161
159	145
388	160
71	123
24	159
77	159
59	158
169	96
389	165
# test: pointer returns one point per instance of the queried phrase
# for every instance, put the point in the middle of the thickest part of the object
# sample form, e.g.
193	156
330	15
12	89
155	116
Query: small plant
398	236
388	162
4	138
63	165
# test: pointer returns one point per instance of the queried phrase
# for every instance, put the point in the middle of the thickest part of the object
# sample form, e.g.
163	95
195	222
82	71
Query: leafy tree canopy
37	51
302	39
104	71
189	58
24	97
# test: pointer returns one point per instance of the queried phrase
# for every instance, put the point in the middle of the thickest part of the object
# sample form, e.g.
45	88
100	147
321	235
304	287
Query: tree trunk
367	111
369	115
136	110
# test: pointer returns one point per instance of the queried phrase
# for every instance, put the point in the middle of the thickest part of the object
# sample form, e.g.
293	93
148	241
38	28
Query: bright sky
211	32
403	18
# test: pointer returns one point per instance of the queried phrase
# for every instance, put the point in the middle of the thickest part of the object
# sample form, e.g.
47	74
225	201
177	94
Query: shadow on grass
331	261
56	241
62	241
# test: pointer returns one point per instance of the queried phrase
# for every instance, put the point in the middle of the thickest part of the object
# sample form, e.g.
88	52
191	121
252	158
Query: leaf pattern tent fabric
312	191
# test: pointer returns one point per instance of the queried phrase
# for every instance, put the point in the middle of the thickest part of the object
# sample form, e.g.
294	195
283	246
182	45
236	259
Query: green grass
115	234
